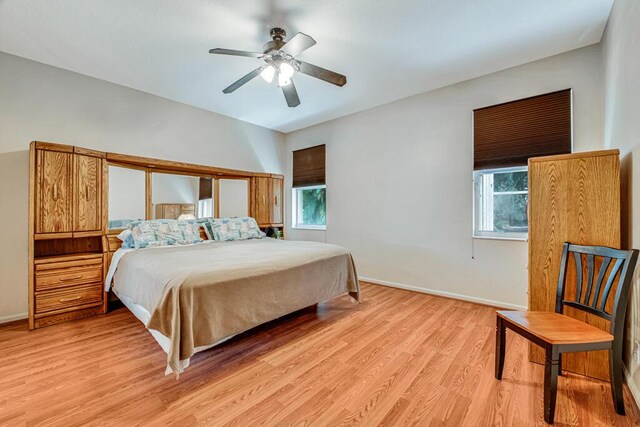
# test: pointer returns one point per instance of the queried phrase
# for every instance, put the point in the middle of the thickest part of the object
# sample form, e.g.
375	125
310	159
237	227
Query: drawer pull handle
70	299
66	279
55	192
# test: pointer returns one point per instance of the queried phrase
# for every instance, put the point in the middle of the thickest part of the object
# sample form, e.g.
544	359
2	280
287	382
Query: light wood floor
397	358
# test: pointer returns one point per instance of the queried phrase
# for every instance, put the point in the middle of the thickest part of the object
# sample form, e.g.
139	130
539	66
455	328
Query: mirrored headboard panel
127	196
233	197
174	196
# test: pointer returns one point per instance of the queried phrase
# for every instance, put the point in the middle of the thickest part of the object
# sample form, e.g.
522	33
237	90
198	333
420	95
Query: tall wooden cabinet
572	198
66	255
268	198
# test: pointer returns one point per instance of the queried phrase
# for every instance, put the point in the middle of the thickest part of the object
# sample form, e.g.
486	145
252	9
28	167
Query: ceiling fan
281	64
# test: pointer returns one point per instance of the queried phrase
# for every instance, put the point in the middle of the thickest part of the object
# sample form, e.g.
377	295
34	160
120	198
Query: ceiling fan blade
219	51
298	44
243	80
291	94
322	74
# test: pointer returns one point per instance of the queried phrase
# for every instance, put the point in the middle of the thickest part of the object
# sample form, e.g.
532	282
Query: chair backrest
593	296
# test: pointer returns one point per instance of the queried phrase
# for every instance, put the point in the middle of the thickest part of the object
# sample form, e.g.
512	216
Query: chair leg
500	346
551	365
560	365
615	372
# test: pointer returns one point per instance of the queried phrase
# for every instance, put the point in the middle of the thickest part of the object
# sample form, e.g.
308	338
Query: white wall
39	102
399	180
621	60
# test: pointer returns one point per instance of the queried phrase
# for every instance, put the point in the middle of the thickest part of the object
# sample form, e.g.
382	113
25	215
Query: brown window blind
508	134
309	166
206	190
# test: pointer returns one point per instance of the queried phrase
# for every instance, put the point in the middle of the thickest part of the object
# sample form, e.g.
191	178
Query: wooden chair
558	334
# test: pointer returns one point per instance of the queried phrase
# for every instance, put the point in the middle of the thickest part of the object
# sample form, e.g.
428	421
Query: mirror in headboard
174	196
127	197
233	197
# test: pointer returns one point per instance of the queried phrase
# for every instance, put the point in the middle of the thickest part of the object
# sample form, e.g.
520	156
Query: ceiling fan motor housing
278	35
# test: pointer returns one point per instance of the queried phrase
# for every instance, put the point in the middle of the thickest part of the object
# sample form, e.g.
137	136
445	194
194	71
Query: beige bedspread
199	294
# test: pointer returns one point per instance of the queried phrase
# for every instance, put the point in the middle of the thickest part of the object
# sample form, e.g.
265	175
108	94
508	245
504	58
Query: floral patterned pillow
164	232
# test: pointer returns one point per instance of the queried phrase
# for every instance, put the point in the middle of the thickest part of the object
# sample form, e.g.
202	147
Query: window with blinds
309	166
505	136
309	196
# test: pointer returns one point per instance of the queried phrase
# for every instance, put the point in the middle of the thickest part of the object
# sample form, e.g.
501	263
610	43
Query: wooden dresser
174	210
572	198
66	227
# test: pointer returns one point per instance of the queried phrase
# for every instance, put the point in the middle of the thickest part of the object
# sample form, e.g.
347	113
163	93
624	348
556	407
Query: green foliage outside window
314	206
510	210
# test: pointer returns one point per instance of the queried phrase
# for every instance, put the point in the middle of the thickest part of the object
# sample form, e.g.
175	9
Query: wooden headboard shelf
68	220
54	247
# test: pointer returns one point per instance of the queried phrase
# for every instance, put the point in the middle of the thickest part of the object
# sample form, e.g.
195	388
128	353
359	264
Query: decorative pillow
127	239
235	228
202	229
165	232
205	224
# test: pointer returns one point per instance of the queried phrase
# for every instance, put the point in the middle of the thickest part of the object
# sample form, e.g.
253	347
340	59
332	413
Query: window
205	208
505	136
500	197
309	198
310	207
205	198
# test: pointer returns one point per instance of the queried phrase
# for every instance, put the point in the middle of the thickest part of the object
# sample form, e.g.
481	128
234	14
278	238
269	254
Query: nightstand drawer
69	276
68	298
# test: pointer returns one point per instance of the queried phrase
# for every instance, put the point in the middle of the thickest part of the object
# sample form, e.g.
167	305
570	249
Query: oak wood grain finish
572	198
63	277
277	201
262	212
399	358
88	194
73	297
555	328
54	197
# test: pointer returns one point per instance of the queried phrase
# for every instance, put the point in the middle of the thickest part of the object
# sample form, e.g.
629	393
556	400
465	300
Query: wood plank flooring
399	358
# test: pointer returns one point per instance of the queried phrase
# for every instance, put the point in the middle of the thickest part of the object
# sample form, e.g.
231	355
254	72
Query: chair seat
555	328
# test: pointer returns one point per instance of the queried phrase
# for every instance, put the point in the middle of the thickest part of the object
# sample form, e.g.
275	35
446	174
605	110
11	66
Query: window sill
309	227
513	239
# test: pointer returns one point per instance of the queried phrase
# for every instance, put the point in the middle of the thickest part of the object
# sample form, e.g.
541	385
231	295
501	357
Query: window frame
296	211
494	235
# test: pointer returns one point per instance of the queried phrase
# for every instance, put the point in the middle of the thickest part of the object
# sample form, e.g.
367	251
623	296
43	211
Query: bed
194	297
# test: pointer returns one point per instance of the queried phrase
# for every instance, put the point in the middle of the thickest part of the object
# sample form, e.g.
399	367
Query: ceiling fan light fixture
267	73
286	70
283	80
279	62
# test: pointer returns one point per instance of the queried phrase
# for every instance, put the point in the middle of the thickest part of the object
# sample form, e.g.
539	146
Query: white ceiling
388	49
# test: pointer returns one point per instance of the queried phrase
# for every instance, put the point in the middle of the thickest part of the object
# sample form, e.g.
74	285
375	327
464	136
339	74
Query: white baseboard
633	387
445	294
13	317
